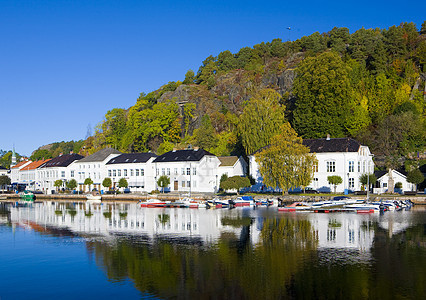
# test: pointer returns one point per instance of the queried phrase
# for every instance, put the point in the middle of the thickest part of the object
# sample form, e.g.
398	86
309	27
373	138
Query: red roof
35	164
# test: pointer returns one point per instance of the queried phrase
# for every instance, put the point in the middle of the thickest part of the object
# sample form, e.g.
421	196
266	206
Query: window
114	173
119	173
109	173
176	171
359	167
125	172
72	173
142	172
351	166
315	167
188	171
131	172
194	171
351	183
168	171
385	184
183	171
62	173
194	184
137	172
188	183
331	166
163	171
183	183
363	167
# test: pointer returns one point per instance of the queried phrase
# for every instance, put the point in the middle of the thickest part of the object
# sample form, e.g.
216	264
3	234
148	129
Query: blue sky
64	64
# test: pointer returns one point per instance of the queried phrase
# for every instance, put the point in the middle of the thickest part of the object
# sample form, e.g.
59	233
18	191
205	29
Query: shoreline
419	199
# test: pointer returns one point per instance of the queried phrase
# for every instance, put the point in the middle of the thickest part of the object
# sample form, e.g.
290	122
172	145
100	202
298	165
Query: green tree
163	182
72	184
89	182
334	180
4	181
122	183
189	77
322	88
368	179
415	177
286	163
261	120
107	183
235	183
41	154
204	136
58	183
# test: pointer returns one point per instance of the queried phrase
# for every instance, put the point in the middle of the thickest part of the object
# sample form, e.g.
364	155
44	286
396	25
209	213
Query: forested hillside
369	85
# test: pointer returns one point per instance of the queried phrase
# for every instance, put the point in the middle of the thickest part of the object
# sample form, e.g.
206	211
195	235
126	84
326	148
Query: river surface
58	250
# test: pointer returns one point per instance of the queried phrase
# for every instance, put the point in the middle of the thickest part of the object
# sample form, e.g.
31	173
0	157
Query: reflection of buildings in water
333	231
343	231
127	219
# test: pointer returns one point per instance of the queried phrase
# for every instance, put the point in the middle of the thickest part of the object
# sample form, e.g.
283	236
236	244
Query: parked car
310	190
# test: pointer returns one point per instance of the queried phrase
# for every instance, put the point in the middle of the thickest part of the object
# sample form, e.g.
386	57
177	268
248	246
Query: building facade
137	168
93	167
344	157
189	170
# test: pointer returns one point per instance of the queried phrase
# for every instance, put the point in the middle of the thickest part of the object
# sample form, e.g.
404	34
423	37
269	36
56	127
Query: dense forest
369	85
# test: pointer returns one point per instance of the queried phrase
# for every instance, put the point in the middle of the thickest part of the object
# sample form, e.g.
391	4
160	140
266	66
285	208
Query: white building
93	167
189	170
383	181
28	175
15	170
4	171
232	166
344	157
58	168
137	168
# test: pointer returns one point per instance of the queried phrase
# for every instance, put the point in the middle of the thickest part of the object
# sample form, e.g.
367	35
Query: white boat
364	207
94	198
242	201
153	203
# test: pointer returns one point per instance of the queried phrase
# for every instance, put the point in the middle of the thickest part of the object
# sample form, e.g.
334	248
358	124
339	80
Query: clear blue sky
64	64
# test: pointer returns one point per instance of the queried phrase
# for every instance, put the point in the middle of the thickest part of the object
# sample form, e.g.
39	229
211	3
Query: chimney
60	154
328	137
71	152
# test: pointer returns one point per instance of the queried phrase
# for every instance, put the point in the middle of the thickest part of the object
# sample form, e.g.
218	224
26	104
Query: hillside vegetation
369	85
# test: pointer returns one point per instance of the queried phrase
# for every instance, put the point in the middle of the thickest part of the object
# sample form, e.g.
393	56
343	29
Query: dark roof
332	145
61	161
100	155
128	158
380	173
183	155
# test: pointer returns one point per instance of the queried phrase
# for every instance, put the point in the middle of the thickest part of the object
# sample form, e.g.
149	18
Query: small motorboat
153	203
94	197
296	206
242	201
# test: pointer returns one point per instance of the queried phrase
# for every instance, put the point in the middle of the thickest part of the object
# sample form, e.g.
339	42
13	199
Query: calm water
60	250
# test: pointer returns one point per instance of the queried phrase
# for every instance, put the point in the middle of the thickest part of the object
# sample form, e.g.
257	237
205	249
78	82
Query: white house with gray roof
93	167
137	168
189	170
344	157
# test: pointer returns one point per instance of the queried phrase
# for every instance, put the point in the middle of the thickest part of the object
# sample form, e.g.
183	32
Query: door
176	185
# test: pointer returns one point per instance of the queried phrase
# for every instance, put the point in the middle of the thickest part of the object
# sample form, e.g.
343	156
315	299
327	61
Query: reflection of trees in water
230	269
285	264
400	264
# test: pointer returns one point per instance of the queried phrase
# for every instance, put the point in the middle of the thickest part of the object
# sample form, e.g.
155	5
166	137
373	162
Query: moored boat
26	196
242	201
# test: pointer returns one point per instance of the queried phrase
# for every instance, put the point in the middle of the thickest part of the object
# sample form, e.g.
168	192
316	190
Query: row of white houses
189	170
197	170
